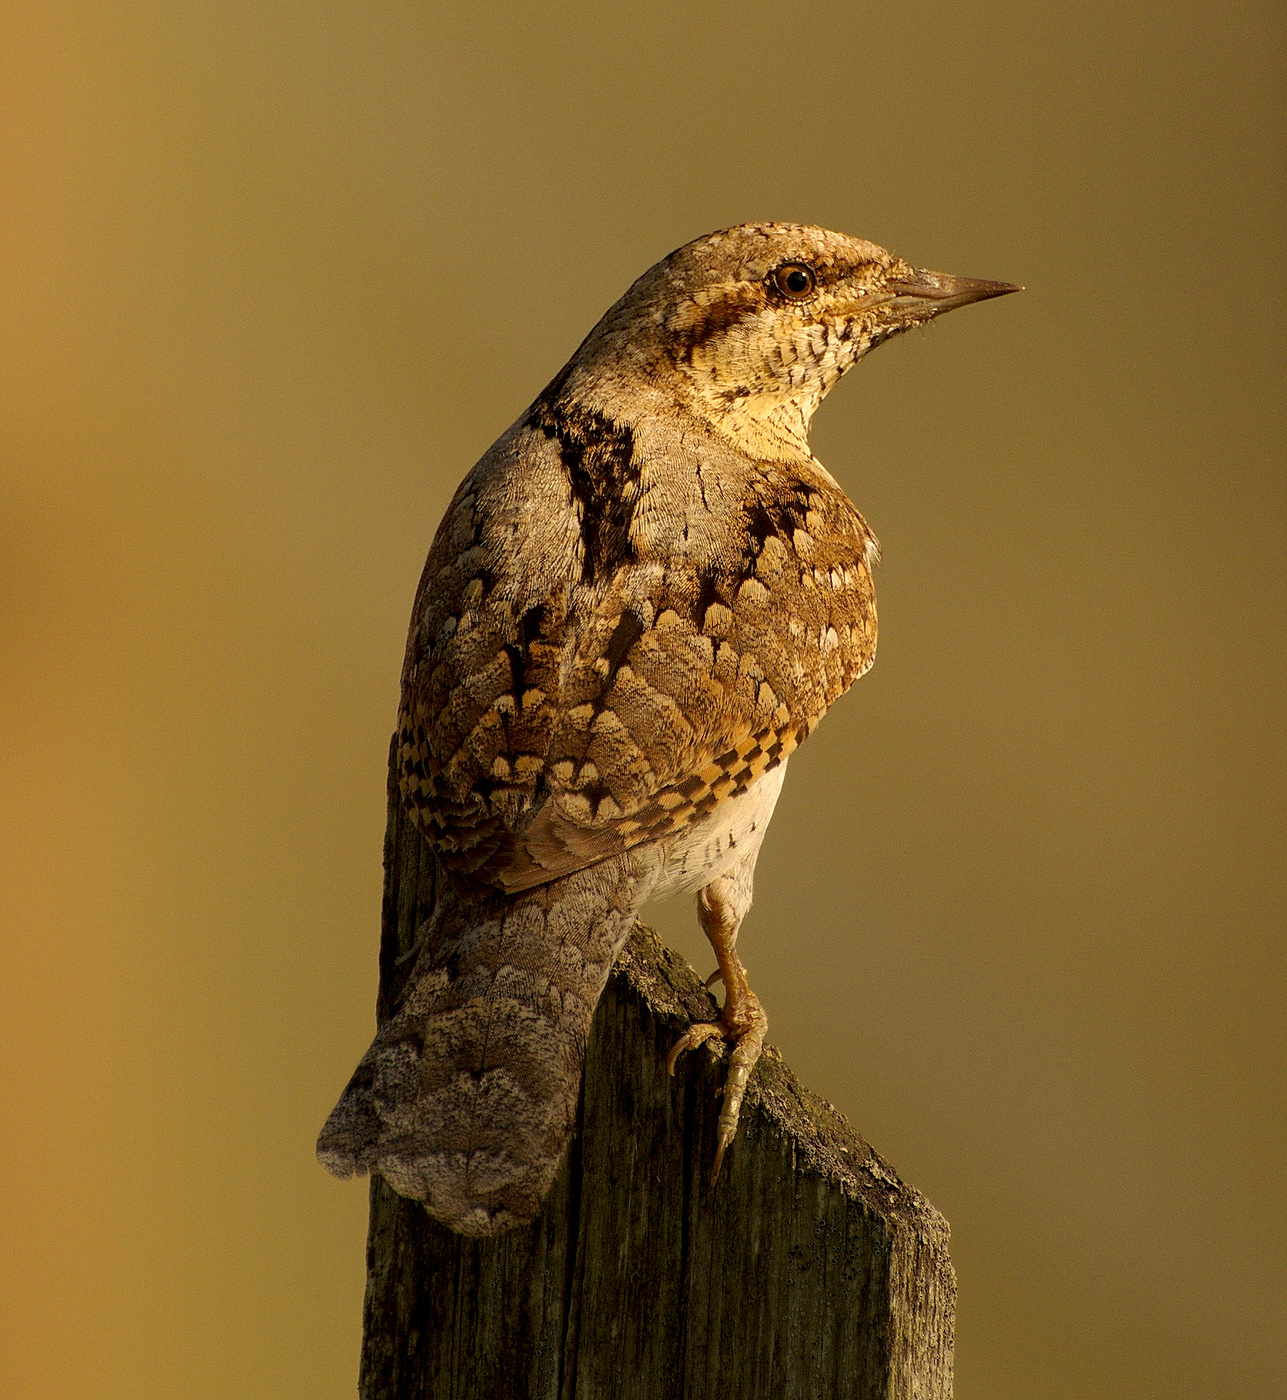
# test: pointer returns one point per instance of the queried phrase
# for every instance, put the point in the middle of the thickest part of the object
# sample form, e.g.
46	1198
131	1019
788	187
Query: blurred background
274	275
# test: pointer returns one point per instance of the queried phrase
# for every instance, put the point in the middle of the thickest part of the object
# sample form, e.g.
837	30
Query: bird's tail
467	1097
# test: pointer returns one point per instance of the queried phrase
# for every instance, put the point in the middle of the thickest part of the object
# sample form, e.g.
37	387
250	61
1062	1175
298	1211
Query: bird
638	604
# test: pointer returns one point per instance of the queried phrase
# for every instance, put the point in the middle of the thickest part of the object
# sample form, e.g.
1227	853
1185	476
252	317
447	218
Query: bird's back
621	623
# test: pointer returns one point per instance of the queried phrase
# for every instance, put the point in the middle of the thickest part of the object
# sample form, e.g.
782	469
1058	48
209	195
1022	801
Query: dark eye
794	280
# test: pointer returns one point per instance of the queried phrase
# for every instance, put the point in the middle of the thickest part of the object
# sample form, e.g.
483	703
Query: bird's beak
920	294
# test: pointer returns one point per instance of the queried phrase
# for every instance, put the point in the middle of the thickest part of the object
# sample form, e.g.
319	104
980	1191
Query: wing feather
575	686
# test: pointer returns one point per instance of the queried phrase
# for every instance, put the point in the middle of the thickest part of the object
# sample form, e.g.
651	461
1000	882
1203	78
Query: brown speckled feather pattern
556	717
638	604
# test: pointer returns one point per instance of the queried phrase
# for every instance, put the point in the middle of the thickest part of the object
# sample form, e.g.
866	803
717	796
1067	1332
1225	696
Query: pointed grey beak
925	293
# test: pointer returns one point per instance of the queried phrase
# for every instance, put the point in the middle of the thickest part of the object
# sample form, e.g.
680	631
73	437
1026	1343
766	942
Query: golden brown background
274	275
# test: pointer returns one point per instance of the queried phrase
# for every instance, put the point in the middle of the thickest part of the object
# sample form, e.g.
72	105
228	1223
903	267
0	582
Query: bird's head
751	326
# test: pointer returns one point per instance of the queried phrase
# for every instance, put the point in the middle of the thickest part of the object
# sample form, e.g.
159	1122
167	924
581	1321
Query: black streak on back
598	455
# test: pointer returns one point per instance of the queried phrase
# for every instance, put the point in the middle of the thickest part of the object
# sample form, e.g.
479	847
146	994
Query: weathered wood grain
809	1269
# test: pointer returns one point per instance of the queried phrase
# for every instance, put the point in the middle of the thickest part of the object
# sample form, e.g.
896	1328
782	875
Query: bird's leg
721	906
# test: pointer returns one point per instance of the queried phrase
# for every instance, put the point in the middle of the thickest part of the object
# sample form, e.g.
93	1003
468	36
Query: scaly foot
745	1024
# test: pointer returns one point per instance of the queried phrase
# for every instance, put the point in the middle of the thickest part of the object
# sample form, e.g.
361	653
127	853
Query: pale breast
698	853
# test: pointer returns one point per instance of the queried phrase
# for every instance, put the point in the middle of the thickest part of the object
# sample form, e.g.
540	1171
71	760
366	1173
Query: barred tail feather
467	1097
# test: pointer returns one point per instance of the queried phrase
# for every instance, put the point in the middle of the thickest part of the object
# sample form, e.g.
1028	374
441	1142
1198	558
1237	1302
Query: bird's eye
794	280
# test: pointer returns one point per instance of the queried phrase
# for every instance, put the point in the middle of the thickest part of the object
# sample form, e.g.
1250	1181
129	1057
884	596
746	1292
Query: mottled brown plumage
639	603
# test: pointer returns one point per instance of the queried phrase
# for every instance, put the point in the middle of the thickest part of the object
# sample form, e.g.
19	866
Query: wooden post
809	1270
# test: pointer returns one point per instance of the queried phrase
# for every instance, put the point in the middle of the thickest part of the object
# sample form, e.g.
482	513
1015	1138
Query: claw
697	1034
745	1026
720	907
742	1061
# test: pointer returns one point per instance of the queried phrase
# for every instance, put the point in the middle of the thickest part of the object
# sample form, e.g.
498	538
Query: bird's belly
706	849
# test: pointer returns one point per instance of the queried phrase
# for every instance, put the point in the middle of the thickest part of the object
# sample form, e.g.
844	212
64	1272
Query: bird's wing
549	722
